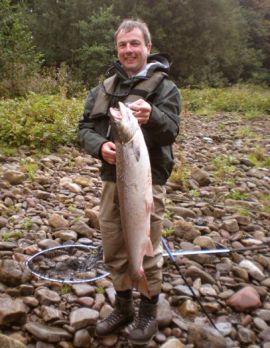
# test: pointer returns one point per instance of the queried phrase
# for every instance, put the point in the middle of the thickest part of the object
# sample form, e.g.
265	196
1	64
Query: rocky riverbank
219	198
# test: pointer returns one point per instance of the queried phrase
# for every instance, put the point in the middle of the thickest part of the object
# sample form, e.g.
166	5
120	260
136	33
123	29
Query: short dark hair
129	24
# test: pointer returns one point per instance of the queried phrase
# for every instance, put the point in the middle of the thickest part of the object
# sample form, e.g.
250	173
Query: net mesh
69	264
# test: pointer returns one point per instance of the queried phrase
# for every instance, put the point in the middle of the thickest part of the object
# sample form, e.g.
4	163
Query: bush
39	121
249	100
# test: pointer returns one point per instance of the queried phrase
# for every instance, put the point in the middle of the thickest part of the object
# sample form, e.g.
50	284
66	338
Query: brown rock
201	176
244	299
186	230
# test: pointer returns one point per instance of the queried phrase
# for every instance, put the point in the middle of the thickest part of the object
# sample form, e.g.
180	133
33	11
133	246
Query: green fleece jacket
160	131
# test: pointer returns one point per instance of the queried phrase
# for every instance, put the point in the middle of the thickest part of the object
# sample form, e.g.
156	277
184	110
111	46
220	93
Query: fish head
124	123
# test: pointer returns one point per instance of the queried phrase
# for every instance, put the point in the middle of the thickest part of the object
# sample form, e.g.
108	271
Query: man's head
133	44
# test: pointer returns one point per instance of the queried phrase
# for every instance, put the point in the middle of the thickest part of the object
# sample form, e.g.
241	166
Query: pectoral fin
136	151
149	251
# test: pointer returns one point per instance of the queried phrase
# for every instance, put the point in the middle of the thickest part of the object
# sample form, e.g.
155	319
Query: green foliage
19	59
259	157
265	201
211	42
243	211
39	121
27	224
65	289
223	166
7	151
246	132
245	99
97	51
194	193
181	175
237	195
11	235
29	167
100	290
167	232
207	40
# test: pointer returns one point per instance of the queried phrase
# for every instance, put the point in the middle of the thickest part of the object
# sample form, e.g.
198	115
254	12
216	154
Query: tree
207	40
257	14
19	59
97	50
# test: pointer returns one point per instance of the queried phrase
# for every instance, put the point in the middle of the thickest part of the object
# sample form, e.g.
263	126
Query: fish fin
149	251
150	206
142	286
137	152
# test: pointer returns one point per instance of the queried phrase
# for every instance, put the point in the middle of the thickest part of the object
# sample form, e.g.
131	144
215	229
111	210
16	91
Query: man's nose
129	47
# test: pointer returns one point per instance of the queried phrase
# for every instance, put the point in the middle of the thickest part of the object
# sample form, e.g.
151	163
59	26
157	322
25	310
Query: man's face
132	51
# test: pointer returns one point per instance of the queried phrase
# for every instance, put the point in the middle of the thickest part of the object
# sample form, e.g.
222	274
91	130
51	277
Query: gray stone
172	343
82	339
83	289
10	272
83	229
58	221
8	342
46	333
205	337
14	177
231	225
50	313
201	176
164	312
195	272
47	297
82	317
12	311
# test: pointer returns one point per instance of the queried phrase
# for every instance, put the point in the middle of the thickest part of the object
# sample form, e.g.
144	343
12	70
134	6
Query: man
139	79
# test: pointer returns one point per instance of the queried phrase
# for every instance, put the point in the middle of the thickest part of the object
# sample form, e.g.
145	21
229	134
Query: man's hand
141	110
108	152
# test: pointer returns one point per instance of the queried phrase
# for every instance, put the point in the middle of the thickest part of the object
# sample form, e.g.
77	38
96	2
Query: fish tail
142	286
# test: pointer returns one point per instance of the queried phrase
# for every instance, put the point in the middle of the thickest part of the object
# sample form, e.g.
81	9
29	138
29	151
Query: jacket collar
159	62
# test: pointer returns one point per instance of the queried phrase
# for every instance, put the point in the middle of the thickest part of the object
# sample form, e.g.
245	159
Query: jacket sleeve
163	125
88	138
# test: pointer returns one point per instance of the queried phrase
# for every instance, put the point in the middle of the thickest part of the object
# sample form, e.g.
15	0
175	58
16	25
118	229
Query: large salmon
134	184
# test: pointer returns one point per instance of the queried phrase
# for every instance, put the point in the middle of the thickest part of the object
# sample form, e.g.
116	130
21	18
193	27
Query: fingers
141	110
108	152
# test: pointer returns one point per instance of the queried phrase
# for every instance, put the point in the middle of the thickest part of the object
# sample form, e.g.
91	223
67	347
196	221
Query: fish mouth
116	114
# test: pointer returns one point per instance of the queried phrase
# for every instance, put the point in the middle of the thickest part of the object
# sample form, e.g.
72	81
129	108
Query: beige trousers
115	255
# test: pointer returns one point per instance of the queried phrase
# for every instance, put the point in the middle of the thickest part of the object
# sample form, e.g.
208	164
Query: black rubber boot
145	326
122	315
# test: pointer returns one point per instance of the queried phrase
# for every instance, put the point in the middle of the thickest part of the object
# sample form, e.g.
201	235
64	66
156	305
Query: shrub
39	121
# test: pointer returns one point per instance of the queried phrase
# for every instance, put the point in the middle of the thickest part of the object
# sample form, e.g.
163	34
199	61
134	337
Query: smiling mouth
130	61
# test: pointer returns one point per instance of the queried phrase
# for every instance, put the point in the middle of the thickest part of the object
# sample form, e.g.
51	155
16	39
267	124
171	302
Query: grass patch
195	193
265	201
167	232
27	224
65	289
8	151
30	167
223	166
251	101
246	132
11	235
237	195
259	157
243	211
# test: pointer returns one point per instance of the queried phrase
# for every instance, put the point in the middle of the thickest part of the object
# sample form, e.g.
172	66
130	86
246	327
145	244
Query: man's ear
149	47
